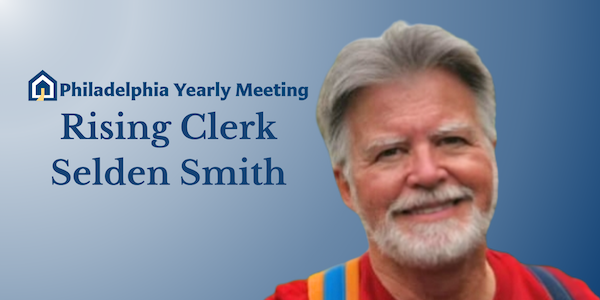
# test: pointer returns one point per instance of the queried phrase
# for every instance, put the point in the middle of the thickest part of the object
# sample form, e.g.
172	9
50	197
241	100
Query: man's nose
425	169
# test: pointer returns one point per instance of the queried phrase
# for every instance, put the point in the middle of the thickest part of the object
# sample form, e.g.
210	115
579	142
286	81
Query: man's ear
344	186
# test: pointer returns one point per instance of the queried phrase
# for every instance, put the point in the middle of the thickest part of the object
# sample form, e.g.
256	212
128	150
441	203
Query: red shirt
513	281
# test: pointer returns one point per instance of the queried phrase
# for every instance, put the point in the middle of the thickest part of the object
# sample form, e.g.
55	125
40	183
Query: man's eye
389	152
453	141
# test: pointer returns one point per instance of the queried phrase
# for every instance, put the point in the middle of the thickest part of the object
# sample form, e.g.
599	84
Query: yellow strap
315	286
41	98
352	279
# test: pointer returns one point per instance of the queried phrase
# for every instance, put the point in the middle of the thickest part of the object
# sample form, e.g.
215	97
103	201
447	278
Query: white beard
431	244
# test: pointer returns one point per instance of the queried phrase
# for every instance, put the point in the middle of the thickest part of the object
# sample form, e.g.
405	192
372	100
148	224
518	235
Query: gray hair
401	50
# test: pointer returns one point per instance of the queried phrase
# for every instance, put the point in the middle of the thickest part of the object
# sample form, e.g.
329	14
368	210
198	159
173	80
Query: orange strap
352	279
315	286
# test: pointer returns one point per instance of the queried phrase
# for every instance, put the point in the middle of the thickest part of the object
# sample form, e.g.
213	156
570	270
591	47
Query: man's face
422	173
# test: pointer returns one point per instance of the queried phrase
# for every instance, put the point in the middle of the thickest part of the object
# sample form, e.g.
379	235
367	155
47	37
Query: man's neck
467	279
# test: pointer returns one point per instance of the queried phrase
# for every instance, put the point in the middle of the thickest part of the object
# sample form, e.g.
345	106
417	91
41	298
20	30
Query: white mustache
436	196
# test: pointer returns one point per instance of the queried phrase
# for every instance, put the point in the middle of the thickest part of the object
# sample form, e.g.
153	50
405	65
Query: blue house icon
42	87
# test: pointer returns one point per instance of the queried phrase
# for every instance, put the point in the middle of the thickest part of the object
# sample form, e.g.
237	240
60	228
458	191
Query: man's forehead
434	91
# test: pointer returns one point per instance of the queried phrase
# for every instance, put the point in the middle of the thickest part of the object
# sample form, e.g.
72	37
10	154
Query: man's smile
433	211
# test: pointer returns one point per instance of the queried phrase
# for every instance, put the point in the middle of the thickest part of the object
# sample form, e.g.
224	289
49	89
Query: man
409	121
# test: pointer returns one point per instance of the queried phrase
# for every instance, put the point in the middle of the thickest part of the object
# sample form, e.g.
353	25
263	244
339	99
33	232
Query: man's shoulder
295	290
514	281
521	278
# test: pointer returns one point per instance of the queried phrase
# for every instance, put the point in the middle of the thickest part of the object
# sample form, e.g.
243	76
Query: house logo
42	87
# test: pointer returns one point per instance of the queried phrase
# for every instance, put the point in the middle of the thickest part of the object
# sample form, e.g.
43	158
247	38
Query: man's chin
430	244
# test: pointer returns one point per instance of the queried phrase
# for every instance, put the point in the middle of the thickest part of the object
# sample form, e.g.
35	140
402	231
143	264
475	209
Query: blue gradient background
239	242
